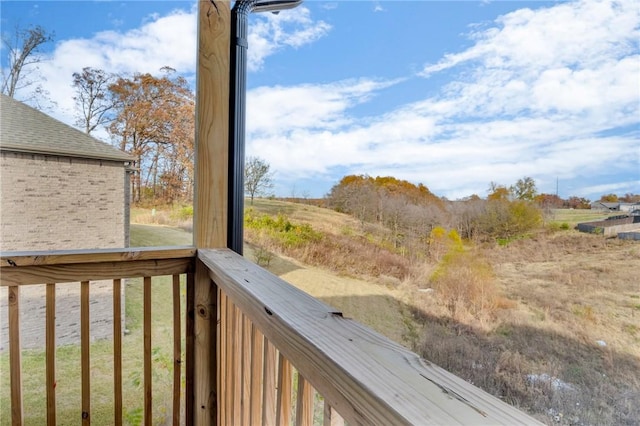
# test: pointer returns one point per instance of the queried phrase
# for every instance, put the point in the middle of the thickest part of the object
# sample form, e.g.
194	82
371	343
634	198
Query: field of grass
561	339
573	217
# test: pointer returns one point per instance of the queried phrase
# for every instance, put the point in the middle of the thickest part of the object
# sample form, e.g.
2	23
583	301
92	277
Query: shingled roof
25	129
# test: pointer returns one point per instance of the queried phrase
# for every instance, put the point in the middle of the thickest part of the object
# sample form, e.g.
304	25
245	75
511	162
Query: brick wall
58	203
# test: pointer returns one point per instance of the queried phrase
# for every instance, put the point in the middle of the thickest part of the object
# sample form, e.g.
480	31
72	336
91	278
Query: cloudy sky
450	94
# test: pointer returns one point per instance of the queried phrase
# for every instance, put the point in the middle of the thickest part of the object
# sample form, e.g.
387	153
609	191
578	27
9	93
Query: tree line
412	212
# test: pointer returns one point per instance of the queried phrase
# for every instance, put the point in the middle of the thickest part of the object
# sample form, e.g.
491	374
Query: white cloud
540	93
168	40
546	93
269	33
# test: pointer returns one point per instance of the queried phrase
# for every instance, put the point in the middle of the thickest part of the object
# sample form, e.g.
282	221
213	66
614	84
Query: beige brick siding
58	203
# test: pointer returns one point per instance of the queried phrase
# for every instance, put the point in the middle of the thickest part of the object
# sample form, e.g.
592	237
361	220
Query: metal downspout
237	110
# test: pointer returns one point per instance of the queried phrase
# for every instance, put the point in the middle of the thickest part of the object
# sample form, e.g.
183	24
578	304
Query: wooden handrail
366	377
12	259
25	268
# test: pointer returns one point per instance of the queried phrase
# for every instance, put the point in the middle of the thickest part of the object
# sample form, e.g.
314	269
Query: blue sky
451	94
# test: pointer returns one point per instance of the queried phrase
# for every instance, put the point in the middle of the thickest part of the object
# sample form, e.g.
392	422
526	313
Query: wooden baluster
190	339
228	396
148	414
50	342
257	357
117	352
15	364
246	355
222	357
283	404
84	352
177	350
236	370
304	402
270	370
331	417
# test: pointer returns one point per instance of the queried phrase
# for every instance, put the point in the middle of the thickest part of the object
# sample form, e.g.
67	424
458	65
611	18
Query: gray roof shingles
25	129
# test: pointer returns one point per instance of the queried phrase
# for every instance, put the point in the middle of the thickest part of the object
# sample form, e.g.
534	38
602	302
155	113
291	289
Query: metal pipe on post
237	109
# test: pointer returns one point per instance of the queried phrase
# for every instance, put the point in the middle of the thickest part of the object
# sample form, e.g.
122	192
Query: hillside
552	324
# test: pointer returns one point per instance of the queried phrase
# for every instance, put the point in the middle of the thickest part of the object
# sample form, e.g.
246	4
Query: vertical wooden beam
211	189
257	360
146	307
50	342
236	365
222	355
331	417
283	404
269	372
227	386
304	402
189	349
15	350
117	352
245	355
177	351
85	365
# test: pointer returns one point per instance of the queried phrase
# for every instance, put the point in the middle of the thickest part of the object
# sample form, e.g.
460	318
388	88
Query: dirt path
370	304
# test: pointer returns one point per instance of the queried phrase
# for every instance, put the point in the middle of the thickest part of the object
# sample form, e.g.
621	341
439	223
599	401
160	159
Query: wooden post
50	339
210	200
15	351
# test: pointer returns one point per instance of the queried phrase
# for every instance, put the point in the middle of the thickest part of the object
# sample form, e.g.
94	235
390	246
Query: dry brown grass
557	298
570	294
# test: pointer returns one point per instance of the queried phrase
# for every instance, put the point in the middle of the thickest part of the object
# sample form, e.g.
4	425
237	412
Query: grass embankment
549	322
559	336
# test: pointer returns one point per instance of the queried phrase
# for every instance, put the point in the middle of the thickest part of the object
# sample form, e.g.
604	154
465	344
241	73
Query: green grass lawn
68	389
573	217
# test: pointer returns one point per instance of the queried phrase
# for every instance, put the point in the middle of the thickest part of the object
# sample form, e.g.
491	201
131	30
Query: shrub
465	282
281	229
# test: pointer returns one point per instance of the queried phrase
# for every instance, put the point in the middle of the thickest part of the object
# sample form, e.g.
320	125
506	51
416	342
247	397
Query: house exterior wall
58	203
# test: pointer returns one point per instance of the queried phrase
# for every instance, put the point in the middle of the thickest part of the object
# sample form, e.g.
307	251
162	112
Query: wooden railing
87	267
282	356
363	376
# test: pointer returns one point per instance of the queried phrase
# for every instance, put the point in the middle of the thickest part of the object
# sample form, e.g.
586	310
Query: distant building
614	207
59	189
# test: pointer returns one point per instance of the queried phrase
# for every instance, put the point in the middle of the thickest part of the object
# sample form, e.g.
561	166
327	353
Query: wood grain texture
146	331
41	258
210	198
222	357
245	355
257	362
50	352
331	416
189	352
212	124
15	350
205	327
62	273
85	355
117	352
177	350
304	402
236	366
283	395
366	377
227	391
269	384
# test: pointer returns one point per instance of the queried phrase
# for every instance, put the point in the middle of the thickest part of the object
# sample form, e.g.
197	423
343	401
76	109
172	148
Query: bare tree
93	102
258	178
23	49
